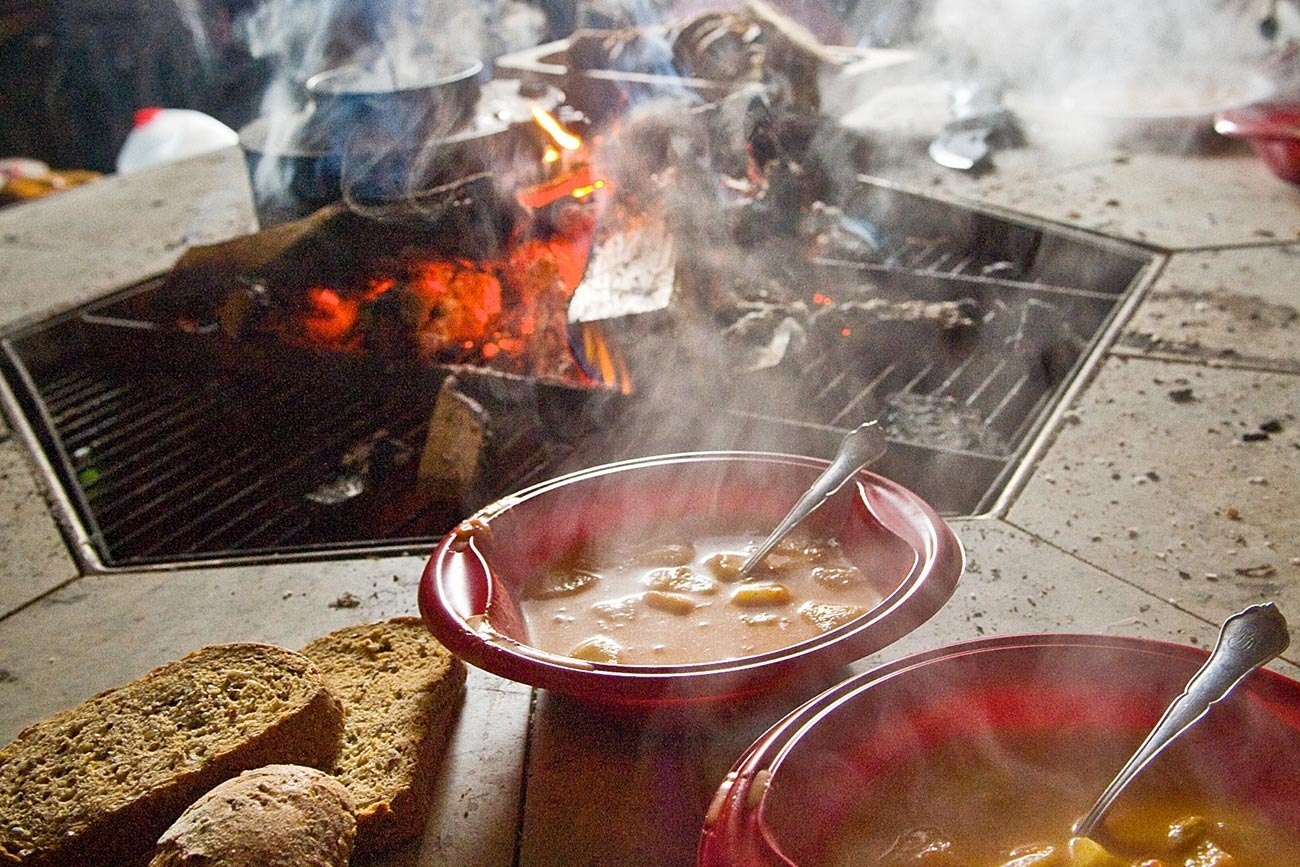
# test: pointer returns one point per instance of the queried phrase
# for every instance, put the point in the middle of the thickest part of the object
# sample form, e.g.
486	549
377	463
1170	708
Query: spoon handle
1247	640
861	446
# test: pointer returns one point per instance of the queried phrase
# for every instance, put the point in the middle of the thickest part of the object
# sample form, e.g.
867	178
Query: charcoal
939	316
941	422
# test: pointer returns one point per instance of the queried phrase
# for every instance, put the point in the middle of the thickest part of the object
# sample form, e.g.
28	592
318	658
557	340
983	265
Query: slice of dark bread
401	691
97	784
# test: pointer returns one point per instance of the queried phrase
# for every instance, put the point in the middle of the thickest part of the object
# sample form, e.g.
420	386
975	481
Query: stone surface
65	249
1223	306
1166	480
1158	509
1017	583
1218	195
34	558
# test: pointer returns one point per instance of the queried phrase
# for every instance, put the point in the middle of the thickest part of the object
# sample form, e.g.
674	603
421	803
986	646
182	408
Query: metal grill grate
165	455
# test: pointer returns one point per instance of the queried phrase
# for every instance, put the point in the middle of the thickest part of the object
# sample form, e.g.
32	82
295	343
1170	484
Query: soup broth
972	805
678	600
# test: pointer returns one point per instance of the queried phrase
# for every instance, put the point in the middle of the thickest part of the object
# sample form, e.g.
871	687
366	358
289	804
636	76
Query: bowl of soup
985	754
619	585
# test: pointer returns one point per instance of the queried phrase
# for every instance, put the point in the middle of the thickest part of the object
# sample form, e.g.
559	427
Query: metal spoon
1247	640
862	446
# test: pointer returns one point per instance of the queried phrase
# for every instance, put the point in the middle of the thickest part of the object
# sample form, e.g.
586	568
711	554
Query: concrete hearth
1147	515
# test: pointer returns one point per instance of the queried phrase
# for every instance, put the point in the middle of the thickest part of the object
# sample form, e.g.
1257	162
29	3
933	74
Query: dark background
73	72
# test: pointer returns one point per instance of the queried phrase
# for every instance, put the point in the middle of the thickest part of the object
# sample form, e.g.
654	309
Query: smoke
303	38
392	45
1045	47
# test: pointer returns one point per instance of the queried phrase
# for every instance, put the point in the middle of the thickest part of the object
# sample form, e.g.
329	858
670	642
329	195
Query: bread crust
125	763
401	691
275	816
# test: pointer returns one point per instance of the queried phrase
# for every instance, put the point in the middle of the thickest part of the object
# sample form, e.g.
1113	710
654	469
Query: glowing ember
331	317
508	312
405	301
567	185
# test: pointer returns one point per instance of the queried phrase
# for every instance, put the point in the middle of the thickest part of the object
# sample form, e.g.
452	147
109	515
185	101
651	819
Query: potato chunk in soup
681	600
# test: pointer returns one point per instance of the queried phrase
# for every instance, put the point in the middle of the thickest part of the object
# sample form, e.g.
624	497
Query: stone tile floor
1157	510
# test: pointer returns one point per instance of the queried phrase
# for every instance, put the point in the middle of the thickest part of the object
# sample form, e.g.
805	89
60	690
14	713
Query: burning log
397	293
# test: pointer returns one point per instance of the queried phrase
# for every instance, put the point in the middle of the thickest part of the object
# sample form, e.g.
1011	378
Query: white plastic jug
165	135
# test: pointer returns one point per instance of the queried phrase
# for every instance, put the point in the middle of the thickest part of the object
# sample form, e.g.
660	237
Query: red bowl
1272	129
469	593
794	790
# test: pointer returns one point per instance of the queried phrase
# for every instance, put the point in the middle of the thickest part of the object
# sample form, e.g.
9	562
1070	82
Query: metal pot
292	174
379	116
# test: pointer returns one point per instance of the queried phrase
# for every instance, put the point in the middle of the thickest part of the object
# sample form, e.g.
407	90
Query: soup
970	805
674	601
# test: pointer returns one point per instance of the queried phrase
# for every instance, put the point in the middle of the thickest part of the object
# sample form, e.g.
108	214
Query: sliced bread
276	816
401	691
97	784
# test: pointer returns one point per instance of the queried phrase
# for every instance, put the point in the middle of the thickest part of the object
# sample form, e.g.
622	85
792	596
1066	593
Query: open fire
398	295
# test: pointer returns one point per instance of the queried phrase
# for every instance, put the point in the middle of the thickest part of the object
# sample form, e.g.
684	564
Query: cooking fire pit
167	448
363	379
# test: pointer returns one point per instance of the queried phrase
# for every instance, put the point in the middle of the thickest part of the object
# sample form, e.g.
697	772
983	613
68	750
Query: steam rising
1034	45
304	38
1109	58
402	43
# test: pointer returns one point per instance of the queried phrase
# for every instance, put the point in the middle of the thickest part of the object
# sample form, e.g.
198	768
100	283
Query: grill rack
82	406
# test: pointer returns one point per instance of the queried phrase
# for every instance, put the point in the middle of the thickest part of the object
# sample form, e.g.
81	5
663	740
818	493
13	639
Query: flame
561	136
584	191
462	297
567	177
602	359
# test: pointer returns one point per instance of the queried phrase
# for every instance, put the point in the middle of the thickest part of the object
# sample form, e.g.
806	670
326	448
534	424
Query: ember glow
568	171
504	309
509	312
330	318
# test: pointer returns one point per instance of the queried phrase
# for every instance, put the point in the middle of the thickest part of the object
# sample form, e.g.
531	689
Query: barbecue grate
166	453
